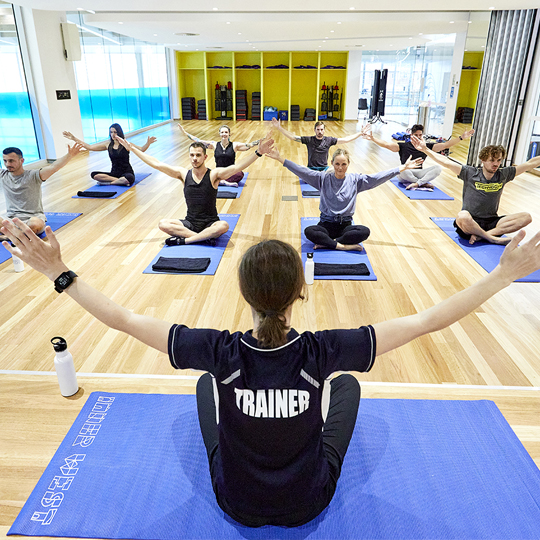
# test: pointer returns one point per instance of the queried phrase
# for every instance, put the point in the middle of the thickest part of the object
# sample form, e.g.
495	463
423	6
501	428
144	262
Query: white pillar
353	85
453	89
41	40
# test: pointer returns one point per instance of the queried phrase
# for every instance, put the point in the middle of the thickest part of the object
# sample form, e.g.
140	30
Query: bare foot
317	246
428	185
103	183
350	247
414	185
229	184
473	239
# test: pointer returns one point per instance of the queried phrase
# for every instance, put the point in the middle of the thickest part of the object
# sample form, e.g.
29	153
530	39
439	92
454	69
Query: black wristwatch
64	280
258	153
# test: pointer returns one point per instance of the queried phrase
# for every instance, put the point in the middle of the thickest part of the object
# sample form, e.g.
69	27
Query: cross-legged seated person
202	222
22	188
339	189
318	145
224	151
121	174
482	191
419	178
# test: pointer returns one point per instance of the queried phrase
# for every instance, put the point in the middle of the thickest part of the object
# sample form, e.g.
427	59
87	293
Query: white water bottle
65	368
18	265
309	270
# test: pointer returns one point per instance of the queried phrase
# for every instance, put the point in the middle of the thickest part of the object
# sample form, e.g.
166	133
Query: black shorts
199	225
485	223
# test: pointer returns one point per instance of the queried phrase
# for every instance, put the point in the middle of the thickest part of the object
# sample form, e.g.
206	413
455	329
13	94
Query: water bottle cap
310	255
59	343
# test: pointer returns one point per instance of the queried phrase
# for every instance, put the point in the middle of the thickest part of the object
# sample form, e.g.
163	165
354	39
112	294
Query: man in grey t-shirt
319	145
22	188
482	191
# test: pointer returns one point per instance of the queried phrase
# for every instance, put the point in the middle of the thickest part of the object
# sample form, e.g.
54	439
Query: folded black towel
226	194
96	194
182	264
314	193
326	269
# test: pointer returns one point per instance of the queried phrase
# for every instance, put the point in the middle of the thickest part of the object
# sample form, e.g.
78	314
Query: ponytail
271	278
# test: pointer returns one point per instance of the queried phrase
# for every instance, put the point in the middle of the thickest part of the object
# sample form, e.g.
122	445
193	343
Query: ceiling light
352	8
483	46
451	22
80	9
491	7
470	22
214	8
239	33
326	37
120	22
420	34
90	11
323	41
331	30
339	23
410	38
247	40
155	35
228	23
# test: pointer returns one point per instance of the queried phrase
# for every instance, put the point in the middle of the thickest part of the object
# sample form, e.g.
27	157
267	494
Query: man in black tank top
202	222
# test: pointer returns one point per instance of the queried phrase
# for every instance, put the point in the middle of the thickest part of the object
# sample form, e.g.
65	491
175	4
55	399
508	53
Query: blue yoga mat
199	250
118	190
415	195
306	188
237	190
134	466
333	256
55	220
485	254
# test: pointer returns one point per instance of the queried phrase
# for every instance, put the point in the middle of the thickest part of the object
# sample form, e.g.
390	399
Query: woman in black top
121	172
224	151
274	456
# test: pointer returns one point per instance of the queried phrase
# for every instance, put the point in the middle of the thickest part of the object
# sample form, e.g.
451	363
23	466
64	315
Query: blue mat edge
436	195
120	190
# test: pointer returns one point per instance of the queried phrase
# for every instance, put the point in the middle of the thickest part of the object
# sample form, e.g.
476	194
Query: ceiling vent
185	34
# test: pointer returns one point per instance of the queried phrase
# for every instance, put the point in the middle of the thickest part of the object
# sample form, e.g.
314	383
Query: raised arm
350	138
420	144
528	165
46	172
146	145
393	146
45	257
277	124
97	147
174	172
467	134
222	173
516	262
209	144
242	147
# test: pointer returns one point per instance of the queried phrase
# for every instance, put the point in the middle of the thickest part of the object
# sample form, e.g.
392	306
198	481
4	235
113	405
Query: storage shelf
282	88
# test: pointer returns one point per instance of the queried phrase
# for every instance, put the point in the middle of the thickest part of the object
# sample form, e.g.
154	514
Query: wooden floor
486	356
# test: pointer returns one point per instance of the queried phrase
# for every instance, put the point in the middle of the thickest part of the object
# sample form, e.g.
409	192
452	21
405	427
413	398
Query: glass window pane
16	121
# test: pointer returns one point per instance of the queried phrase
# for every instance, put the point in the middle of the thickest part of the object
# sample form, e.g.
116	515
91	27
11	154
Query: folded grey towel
182	265
226	194
327	269
96	194
312	193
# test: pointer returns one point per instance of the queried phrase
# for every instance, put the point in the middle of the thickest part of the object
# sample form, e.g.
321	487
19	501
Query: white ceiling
285	25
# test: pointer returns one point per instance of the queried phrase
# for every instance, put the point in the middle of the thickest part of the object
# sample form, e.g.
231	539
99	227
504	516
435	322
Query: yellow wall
470	80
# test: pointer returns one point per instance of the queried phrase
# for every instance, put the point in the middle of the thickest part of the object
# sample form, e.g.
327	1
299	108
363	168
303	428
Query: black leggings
130	177
337	432
329	233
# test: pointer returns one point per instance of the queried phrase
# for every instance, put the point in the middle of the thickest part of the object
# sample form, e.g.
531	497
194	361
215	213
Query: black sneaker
175	241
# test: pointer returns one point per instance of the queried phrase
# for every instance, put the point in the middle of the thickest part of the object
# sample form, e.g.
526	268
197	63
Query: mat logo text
54	495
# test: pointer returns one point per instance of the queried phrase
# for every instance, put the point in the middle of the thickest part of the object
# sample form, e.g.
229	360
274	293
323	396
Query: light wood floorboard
114	240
